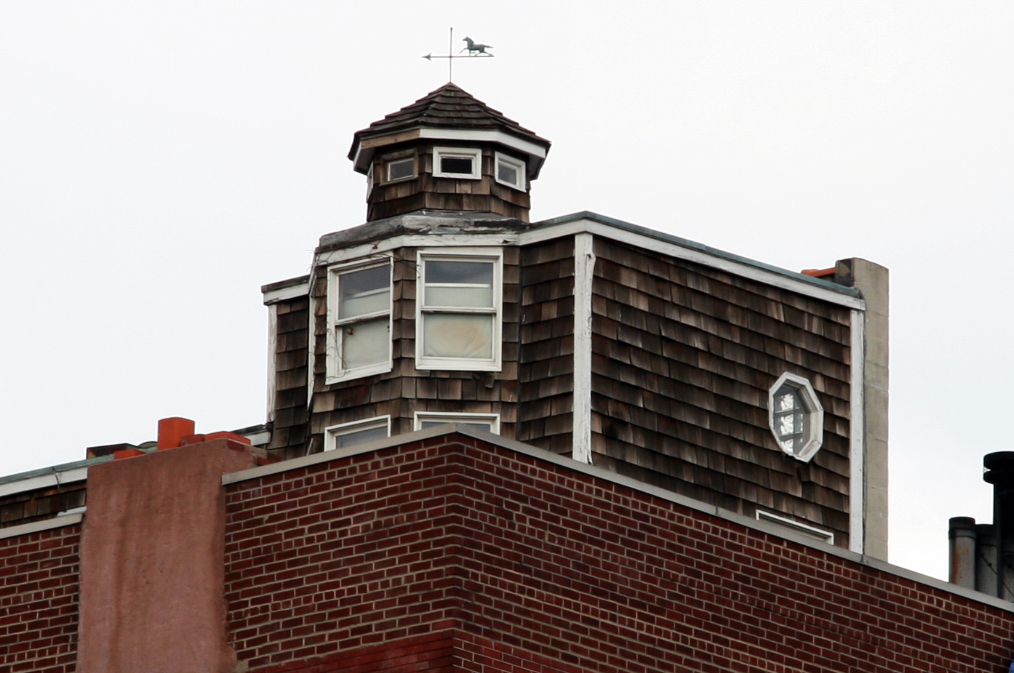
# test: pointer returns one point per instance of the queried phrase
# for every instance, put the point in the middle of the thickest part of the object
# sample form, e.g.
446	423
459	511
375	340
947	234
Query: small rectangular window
797	527
458	312
401	169
359	316
431	419
457	162
357	432
510	171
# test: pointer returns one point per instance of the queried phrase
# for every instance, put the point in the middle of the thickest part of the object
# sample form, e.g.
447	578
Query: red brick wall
38	601
535	567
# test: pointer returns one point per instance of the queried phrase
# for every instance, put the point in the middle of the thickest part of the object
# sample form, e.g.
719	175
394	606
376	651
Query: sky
160	161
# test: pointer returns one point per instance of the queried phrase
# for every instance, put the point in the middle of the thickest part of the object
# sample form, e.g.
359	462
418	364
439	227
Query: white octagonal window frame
807	413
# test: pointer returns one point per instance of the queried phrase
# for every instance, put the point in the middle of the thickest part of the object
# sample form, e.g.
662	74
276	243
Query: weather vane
474	49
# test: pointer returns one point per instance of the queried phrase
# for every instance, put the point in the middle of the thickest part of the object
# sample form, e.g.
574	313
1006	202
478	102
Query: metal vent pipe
986	562
1000	473
961	534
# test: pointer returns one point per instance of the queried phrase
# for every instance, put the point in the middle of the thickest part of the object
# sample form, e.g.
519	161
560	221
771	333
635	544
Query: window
458	303
356	432
359	316
795	416
431	419
510	171
400	169
456	162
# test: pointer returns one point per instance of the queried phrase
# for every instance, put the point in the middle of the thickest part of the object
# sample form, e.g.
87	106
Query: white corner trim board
857	432
584	275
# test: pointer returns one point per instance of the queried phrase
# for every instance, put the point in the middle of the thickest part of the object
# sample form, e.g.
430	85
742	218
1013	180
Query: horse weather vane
474	49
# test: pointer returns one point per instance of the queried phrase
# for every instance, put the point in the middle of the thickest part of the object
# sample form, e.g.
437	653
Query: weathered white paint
584	273
311	345
44	481
334	372
272	359
857	434
284	293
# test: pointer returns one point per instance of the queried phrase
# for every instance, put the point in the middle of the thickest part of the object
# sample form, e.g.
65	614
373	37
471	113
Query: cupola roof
448	113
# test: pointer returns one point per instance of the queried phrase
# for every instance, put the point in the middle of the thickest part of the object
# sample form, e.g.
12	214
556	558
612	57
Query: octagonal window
795	416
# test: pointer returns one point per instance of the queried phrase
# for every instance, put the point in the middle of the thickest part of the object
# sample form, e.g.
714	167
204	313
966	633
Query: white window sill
352	374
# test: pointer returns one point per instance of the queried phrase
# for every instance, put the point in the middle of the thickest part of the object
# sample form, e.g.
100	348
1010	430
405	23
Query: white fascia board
857	435
284	293
691	255
584	275
418	241
484	137
44	481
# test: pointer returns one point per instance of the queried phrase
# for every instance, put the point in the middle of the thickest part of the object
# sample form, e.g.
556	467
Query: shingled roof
448	107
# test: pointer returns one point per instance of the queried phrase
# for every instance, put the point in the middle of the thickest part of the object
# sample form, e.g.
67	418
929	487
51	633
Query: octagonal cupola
448	151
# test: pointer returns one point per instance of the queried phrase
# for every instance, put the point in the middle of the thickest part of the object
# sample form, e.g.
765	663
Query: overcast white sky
159	161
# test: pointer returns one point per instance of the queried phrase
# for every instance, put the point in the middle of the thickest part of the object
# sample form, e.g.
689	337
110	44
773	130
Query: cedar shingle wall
545	416
288	435
683	357
40	504
405	390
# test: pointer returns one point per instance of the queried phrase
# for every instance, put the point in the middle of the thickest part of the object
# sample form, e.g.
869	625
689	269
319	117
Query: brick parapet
564	570
39	601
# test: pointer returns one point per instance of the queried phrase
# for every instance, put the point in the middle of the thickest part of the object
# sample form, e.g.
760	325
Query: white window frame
390	162
493	364
516	164
454	417
369	181
335	372
475	154
796	526
332	433
814	415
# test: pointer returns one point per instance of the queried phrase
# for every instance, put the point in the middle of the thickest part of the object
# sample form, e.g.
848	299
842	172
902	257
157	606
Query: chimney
1000	472
962	546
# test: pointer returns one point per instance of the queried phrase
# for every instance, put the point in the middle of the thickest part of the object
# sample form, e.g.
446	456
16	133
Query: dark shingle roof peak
447	107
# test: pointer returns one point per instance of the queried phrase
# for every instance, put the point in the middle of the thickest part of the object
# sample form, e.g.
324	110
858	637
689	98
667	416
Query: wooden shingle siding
683	357
405	390
425	191
288	434
545	417
44	503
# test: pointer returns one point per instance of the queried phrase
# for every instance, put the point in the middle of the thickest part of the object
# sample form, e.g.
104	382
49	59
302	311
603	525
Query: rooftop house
501	445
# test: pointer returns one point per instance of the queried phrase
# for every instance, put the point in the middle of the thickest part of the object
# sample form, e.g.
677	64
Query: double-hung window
458	310
359	317
356	432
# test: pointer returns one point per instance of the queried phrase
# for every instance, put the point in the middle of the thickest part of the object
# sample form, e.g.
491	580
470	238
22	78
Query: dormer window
457	162
400	169
510	171
795	416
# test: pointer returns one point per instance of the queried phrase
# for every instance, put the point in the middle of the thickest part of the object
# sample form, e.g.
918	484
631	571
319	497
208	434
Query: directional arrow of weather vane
473	49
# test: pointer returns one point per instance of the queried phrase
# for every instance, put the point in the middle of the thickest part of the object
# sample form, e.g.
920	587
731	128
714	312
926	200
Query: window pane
478	297
361	436
477	424
364	343
458	336
460	165
448	271
365	291
507	173
405	168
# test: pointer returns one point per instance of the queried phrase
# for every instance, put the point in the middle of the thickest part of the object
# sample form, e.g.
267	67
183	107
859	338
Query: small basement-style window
357	432
359	317
795	416
458	307
431	419
510	171
400	169
457	162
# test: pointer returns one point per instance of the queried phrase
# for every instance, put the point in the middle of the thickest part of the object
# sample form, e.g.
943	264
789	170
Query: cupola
448	151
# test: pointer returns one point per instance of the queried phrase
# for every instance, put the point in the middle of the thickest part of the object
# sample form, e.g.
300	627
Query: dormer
448	151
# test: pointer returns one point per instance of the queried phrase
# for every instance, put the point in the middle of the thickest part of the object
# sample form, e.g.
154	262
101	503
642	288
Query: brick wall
39	601
533	566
